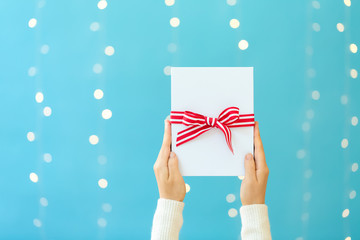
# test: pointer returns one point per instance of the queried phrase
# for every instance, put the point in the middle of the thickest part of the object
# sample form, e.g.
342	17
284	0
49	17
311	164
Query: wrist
170	200
175	197
246	202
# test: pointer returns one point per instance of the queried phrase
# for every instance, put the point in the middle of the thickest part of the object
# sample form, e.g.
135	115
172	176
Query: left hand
170	182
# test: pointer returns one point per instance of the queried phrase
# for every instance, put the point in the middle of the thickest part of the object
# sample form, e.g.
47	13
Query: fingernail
248	156
172	154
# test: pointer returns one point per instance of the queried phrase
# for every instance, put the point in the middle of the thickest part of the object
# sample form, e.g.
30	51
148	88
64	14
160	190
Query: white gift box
208	91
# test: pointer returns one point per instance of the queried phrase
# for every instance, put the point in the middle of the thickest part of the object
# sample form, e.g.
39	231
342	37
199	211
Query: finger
161	171
249	167
167	135
165	148
260	162
174	172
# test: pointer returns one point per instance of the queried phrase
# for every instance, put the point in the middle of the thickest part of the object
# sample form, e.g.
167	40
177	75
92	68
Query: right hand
253	187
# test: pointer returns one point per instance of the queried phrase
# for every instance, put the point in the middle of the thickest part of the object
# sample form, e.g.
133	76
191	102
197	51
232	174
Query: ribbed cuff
255	222
168	220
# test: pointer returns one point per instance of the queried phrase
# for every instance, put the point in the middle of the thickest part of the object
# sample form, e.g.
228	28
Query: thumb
167	137
249	167
173	164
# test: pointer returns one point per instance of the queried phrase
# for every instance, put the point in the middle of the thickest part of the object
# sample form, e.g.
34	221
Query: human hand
253	187
170	182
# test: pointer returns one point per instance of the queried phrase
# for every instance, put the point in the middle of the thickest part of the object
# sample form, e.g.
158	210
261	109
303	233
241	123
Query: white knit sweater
168	221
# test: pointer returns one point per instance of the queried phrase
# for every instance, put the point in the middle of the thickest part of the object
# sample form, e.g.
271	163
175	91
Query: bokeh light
93	139
230	198
354	121
95	26
167	70
243	44
353	73
305	216
232	212
344	99
169	2
103	183
32	71
102	160
306	126
354	167
32	22
316	4
347	3
102	4
340	27
44	49
47	111
30	136
311	72
34	177
39	97
47	157
308	174
187	187
309	50
172	47
344	143
44	202
234	23
307	196
97	68
174	22
315	95
106	114
37	223
352	194
98	94
109	50
301	154
353	48
102	222
316	27
231	2
41	3
107	207
310	114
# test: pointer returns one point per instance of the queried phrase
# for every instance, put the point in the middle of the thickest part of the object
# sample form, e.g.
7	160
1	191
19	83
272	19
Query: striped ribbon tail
199	124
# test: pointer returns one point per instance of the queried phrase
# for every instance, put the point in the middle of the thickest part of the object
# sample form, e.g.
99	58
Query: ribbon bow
199	124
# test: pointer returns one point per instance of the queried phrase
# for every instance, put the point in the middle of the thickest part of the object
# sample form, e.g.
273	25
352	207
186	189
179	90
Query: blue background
302	136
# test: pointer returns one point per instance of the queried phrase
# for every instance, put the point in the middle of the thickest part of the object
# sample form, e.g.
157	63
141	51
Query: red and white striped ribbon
199	124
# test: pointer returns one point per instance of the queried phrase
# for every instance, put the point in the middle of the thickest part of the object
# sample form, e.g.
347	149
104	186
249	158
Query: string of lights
350	48
106	114
242	45
312	95
234	23
173	48
37	176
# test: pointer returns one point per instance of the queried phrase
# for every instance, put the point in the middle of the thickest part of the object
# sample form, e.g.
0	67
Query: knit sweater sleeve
167	220
255	222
